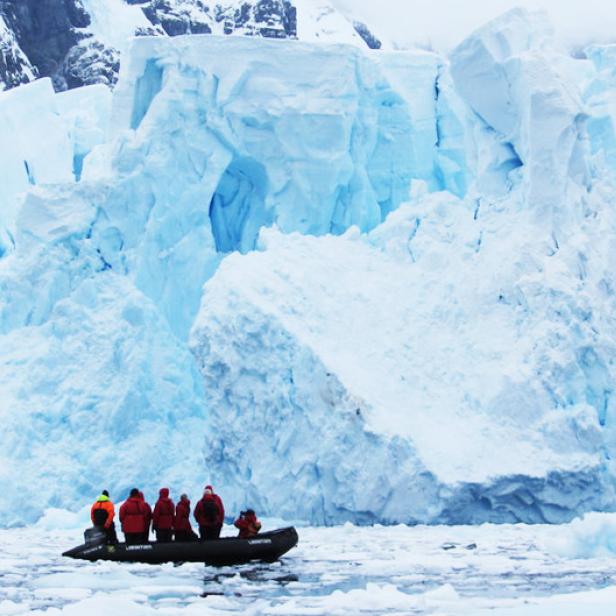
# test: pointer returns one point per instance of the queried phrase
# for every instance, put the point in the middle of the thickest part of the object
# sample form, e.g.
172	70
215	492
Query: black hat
134	492
105	493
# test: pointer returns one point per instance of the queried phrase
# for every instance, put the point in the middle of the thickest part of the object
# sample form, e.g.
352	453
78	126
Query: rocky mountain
15	68
79	42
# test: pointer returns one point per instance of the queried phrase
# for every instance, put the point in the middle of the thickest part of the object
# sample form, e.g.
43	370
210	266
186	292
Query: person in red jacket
181	524
135	518
162	518
210	515
248	524
146	535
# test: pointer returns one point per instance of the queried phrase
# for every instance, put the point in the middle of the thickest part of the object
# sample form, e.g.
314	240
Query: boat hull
267	547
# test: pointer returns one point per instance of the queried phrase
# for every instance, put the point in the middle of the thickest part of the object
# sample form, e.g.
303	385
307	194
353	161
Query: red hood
164	493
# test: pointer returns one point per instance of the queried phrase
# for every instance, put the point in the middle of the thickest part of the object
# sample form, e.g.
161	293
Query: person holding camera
248	524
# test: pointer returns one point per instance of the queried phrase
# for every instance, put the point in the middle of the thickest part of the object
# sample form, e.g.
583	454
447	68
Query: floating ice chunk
594	536
319	21
54	519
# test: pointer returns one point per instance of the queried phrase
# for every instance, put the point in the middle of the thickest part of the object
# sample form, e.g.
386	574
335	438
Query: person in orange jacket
102	514
248	524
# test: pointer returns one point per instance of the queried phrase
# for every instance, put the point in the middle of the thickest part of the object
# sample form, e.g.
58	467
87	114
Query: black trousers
209	532
133	538
112	537
185	535
164	536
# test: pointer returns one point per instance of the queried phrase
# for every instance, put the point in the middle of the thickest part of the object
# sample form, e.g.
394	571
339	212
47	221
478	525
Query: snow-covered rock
46	31
80	42
15	68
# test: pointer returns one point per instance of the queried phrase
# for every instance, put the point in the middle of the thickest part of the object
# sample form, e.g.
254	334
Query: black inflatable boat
266	547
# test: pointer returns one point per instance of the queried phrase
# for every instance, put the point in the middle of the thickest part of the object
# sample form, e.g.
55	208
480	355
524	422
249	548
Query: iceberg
196	158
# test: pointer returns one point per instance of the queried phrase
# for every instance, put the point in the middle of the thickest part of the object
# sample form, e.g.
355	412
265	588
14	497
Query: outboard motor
95	536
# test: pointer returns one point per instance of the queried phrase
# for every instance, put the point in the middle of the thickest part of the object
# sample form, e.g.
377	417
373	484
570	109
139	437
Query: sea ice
380	570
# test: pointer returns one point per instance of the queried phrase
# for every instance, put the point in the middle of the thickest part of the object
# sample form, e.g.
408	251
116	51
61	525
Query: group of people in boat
168	521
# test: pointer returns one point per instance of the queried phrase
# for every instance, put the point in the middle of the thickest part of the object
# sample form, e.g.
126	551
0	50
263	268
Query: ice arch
237	209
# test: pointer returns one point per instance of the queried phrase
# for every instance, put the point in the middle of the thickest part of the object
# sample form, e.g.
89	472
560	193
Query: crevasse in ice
449	360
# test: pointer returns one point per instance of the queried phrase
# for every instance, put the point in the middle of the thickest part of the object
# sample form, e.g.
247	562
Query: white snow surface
457	570
424	334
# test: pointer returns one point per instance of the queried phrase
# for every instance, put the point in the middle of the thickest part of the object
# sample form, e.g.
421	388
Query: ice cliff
342	285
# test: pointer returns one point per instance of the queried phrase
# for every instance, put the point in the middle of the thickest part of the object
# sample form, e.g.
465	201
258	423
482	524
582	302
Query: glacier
342	285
